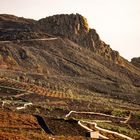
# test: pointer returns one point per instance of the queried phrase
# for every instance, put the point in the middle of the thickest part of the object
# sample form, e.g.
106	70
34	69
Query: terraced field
31	88
20	126
44	102
26	127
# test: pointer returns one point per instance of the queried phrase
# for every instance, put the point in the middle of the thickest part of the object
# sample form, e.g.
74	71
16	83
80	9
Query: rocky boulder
136	61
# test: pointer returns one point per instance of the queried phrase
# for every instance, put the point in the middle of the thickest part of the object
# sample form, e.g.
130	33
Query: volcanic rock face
65	25
72	49
136	61
75	28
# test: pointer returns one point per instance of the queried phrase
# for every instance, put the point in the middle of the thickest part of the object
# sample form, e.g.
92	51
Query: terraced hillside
26	88
59	64
30	99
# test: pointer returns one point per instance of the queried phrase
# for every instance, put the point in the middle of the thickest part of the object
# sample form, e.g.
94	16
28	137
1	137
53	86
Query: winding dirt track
108	131
95	124
92	113
25	105
90	130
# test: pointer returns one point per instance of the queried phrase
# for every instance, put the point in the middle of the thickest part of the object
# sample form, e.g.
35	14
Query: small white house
95	134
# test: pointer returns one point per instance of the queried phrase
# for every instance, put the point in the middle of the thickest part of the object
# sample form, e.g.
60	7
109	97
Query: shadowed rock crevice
43	125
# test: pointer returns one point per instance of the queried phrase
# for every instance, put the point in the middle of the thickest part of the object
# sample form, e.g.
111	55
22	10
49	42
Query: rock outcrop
75	28
18	23
136	61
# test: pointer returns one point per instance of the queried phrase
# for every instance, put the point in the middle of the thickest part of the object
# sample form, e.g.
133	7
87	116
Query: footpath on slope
41	39
95	124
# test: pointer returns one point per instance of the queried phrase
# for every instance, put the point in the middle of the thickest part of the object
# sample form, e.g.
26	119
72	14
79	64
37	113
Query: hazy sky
116	21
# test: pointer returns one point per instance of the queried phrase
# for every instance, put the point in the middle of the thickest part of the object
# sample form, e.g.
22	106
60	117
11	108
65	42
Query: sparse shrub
37	110
70	93
17	78
120	112
137	115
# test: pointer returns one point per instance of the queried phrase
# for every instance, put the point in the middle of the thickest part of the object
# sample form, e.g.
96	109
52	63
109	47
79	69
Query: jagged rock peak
74	23
75	28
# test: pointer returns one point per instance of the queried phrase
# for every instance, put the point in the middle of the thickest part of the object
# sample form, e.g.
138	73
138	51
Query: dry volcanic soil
60	81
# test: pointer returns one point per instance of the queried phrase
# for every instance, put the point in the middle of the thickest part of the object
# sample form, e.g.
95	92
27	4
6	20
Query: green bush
120	113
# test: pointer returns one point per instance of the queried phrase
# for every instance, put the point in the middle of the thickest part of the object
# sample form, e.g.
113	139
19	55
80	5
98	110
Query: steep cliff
75	28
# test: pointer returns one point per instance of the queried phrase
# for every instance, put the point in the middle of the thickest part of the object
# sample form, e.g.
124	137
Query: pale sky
116	21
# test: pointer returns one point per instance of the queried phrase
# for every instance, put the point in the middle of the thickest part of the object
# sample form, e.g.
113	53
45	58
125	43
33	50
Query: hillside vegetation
59	64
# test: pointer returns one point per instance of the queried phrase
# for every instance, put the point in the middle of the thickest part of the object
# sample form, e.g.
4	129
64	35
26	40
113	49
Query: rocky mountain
73	27
76	28
65	46
58	64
